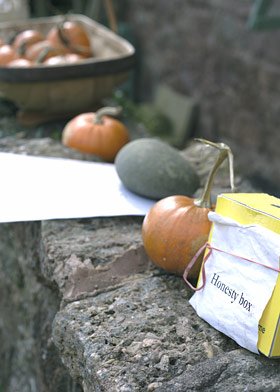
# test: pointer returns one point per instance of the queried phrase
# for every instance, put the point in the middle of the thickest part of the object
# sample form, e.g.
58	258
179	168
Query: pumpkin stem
106	111
63	39
83	51
42	56
205	200
22	48
11	37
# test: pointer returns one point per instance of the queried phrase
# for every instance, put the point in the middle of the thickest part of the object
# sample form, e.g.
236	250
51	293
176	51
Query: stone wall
203	49
82	308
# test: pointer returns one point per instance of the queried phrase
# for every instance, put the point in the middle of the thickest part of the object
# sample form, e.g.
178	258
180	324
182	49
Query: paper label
237	291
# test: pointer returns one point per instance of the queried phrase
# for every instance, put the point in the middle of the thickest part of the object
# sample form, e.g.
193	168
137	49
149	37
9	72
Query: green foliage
260	19
155	122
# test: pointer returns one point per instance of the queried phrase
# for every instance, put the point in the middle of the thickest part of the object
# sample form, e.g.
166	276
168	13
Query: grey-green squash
153	169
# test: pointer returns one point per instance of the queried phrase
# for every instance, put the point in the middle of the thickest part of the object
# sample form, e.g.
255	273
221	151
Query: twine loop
210	248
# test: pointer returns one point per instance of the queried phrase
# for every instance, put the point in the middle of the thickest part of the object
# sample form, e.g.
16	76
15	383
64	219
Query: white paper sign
37	188
237	291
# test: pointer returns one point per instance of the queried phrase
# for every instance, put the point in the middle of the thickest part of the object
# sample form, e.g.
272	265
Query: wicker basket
73	87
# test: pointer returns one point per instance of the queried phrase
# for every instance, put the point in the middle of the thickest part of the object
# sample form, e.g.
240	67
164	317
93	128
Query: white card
237	291
37	188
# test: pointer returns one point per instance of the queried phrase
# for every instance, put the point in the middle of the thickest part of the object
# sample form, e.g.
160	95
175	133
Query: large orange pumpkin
69	37
96	133
176	227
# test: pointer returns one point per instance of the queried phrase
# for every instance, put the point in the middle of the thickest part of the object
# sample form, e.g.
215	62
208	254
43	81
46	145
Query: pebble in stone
153	386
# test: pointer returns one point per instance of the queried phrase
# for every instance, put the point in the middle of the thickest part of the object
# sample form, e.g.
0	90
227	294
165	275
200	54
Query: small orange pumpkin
69	37
40	51
176	227
96	133
68	58
26	38
20	63
7	54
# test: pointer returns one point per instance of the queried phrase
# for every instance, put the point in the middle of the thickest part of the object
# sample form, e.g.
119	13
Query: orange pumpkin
40	51
20	63
176	227
25	39
68	58
96	133
69	37
7	54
